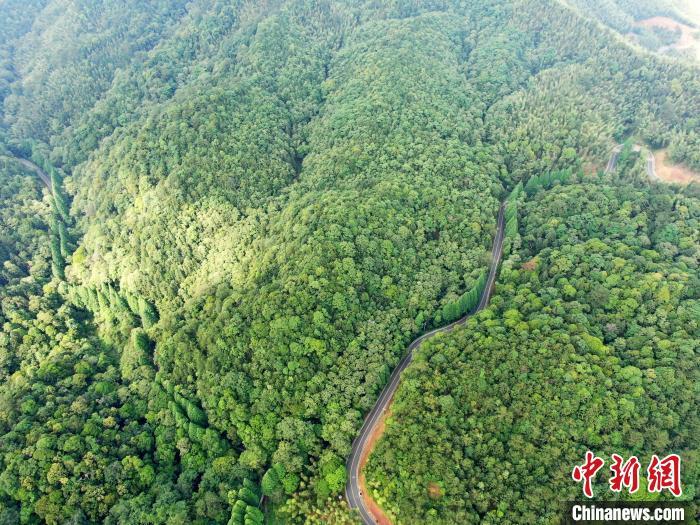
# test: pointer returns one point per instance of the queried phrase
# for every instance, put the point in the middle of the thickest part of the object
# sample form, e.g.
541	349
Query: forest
590	343
252	208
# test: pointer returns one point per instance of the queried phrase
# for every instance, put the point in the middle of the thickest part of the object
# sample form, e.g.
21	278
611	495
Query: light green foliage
684	148
621	14
546	181
136	353
594	349
466	303
257	206
271	484
511	240
245	509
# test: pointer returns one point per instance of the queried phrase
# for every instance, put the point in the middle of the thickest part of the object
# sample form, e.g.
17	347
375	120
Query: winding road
36	169
651	163
353	491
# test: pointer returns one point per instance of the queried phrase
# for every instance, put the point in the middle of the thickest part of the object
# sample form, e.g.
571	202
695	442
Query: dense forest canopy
590	344
251	208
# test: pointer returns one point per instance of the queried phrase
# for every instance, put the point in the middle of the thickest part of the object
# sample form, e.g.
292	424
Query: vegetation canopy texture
248	209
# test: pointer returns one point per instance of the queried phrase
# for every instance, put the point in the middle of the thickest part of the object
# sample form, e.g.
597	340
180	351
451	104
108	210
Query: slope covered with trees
590	343
256	206
627	18
621	14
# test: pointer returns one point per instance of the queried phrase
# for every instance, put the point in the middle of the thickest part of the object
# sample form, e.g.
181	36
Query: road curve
352	487
651	163
36	169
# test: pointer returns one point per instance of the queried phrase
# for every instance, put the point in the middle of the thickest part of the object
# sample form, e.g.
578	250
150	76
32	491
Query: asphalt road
36	169
612	163
651	168
651	163
352	488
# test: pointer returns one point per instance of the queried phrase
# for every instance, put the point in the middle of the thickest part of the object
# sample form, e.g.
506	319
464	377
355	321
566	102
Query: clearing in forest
687	39
673	173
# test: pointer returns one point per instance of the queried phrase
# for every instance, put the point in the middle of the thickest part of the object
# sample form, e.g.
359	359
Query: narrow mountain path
355	493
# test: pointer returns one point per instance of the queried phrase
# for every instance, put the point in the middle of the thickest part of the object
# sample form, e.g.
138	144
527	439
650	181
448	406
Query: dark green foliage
136	353
594	347
58	263
64	239
149	315
61	78
257	205
57	191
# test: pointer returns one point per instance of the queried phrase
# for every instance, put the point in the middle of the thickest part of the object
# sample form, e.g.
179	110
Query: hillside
590	344
667	27
255	207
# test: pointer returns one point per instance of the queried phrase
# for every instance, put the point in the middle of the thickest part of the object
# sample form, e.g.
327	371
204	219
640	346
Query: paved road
651	168
352	488
612	163
651	163
36	169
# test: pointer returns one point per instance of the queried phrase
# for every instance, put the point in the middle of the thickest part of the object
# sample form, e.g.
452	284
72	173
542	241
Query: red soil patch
530	265
673	173
434	490
377	513
687	39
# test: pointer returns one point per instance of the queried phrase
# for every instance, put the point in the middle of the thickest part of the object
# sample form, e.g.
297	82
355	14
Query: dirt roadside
374	508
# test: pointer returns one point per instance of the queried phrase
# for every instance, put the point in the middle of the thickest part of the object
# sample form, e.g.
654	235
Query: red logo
587	471
624	474
665	474
662	474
